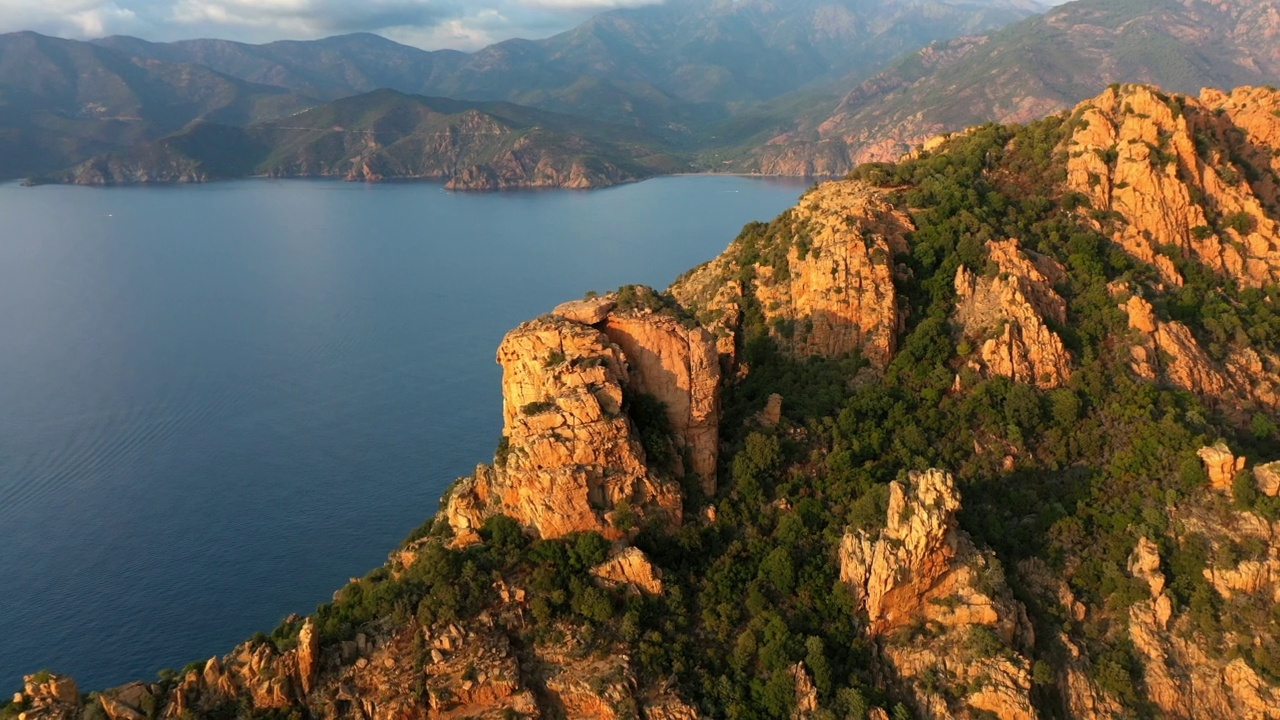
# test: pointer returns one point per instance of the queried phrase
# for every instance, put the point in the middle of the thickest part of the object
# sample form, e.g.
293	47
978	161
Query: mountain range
386	135
672	70
808	88
1040	65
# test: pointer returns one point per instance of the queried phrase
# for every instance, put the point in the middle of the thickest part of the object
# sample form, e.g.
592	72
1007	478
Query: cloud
461	24
77	18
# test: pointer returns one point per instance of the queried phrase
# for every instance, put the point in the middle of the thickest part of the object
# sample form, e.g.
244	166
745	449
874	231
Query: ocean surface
218	403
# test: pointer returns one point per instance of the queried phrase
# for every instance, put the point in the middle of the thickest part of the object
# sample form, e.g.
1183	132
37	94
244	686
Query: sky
429	24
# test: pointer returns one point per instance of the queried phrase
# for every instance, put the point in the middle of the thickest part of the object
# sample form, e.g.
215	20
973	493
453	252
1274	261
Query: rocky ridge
826	285
1191	177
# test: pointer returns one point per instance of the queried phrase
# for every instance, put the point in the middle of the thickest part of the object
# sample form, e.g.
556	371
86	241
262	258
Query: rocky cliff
716	502
1184	177
1006	314
821	276
581	447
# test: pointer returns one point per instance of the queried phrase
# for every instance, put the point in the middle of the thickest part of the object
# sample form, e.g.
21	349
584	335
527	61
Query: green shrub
538	407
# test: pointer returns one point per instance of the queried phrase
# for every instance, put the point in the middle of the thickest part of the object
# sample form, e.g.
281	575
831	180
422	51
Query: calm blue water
219	403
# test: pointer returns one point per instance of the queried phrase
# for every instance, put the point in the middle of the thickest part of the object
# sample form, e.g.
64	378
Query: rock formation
1168	350
1221	465
1175	172
570	457
938	607
630	569
46	696
1005	311
1182	678
832	289
680	367
1268	479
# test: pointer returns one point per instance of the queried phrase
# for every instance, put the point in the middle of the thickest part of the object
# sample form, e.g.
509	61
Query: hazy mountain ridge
663	67
673	70
1039	65
386	135
62	101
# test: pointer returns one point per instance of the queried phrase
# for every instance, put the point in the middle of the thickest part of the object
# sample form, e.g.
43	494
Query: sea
218	403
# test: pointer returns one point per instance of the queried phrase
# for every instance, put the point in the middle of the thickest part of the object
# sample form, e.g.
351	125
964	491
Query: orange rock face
1182	680
1168	350
1005	314
631	569
572	458
679	366
1159	163
1221	465
840	293
921	570
836	292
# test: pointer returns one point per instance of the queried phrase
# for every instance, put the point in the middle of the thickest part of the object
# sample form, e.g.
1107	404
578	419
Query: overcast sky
431	24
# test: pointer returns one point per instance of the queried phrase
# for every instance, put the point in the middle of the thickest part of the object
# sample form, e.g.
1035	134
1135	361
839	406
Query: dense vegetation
1095	463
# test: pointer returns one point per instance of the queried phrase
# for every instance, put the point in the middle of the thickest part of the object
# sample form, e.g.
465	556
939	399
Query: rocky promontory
988	432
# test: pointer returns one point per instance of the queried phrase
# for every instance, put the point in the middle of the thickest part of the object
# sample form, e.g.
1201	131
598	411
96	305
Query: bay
218	403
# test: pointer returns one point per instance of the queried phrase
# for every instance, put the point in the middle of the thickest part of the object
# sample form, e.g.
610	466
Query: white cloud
77	18
461	24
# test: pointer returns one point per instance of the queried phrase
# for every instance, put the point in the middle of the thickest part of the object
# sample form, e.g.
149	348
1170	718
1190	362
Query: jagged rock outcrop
308	655
806	694
1005	312
771	415
444	671
831	287
1192	177
630	569
1221	465
570	457
938	607
1182	678
1169	350
838	287
1268	479
46	696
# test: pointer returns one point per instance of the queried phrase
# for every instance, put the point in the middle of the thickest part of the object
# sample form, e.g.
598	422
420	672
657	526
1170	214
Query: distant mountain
1037	66
674	70
329	69
387	135
62	101
664	67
